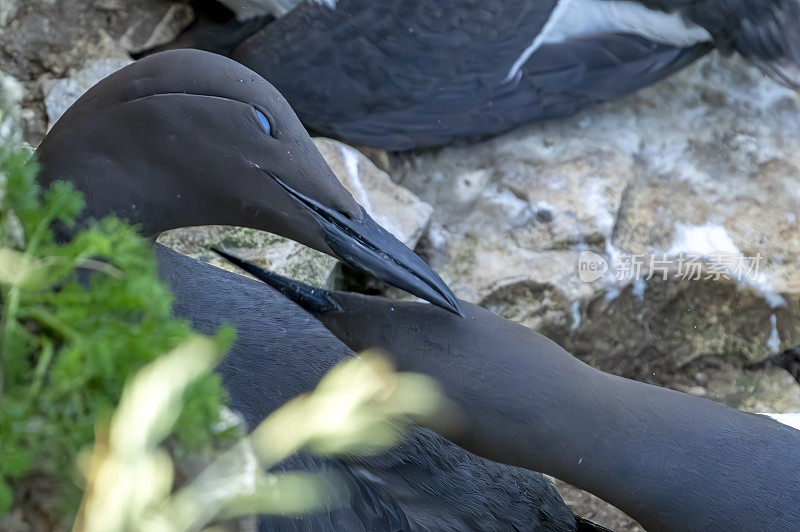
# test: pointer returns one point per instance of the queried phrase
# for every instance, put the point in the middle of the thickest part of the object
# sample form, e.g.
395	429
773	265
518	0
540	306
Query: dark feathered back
400	75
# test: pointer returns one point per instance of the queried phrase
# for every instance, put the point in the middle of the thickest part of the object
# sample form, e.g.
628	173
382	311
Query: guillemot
418	73
670	460
426	483
188	137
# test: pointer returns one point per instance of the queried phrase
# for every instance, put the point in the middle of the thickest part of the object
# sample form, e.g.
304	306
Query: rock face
61	93
10	95
394	207
43	40
8	8
703	168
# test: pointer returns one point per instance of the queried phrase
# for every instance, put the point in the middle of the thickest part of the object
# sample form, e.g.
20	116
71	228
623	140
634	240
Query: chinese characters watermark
684	266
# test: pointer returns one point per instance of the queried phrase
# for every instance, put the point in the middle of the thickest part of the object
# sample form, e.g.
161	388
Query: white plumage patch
579	18
792	420
331	4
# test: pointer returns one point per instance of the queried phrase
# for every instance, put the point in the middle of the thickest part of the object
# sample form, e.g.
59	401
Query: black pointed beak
317	300
365	245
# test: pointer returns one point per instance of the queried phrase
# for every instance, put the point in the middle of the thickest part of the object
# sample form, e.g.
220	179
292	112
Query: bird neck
661	456
648	450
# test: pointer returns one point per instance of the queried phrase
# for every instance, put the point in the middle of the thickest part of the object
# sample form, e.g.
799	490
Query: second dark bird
406	74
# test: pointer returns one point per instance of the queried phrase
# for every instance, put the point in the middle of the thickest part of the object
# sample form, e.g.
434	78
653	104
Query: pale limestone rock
157	27
49	39
270	251
706	162
11	93
60	94
8	8
399	211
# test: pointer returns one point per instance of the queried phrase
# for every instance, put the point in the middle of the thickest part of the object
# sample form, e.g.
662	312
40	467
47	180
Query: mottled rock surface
11	93
60	94
8	8
394	207
704	166
42	40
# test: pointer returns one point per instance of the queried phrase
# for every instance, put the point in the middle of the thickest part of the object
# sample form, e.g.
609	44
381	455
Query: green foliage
78	319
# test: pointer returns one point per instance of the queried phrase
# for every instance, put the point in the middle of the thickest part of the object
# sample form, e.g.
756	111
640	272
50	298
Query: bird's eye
264	122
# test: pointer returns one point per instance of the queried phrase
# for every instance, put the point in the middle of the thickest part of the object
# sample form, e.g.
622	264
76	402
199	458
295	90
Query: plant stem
11	307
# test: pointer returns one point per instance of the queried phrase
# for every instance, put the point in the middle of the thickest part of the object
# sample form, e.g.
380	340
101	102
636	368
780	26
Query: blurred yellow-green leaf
15	267
360	406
